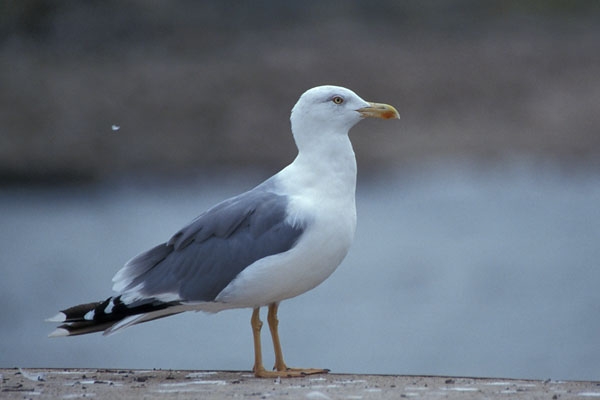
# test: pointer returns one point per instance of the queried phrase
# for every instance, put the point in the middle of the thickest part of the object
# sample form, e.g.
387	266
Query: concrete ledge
25	383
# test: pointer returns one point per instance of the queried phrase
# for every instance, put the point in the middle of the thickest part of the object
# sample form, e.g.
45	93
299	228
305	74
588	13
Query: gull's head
334	109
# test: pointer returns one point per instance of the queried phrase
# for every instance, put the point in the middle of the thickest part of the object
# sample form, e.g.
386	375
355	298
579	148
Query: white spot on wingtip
60	317
115	128
89	316
59	332
108	309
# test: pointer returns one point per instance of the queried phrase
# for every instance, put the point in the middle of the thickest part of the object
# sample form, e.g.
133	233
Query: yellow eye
338	100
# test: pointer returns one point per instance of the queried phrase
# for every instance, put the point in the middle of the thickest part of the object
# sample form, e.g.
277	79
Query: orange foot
289	372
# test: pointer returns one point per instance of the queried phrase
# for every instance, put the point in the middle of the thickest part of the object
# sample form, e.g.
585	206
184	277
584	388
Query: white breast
324	203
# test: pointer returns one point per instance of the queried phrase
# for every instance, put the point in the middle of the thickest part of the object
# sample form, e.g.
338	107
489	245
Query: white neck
325	164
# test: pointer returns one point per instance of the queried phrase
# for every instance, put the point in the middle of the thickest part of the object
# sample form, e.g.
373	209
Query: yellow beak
378	110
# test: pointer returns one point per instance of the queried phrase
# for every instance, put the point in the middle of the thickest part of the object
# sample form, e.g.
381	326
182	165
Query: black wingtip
102	315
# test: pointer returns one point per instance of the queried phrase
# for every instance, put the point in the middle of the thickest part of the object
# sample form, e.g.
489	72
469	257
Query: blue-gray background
477	245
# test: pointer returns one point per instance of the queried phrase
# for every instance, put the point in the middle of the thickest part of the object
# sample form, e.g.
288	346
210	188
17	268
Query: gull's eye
338	100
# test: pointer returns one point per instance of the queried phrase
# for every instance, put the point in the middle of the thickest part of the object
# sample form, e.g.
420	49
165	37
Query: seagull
271	243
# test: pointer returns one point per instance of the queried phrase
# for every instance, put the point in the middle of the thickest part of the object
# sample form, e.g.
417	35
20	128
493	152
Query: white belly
319	251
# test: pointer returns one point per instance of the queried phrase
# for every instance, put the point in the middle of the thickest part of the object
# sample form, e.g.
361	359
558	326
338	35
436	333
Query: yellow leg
281	369
274	328
256	327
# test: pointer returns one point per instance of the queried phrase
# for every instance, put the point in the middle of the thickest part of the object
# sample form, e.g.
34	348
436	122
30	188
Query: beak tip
391	114
378	110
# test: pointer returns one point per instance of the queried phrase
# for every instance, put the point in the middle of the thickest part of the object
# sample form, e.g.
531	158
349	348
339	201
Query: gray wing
200	260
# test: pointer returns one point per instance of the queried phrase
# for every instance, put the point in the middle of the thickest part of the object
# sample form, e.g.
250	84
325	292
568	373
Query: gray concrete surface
23	383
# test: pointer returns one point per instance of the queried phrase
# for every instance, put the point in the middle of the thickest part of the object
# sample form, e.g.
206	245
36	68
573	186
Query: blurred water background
479	222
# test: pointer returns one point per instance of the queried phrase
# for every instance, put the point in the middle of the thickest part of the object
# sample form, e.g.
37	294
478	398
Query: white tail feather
60	317
59	332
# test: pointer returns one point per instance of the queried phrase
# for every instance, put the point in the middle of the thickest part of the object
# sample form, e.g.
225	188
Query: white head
332	110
